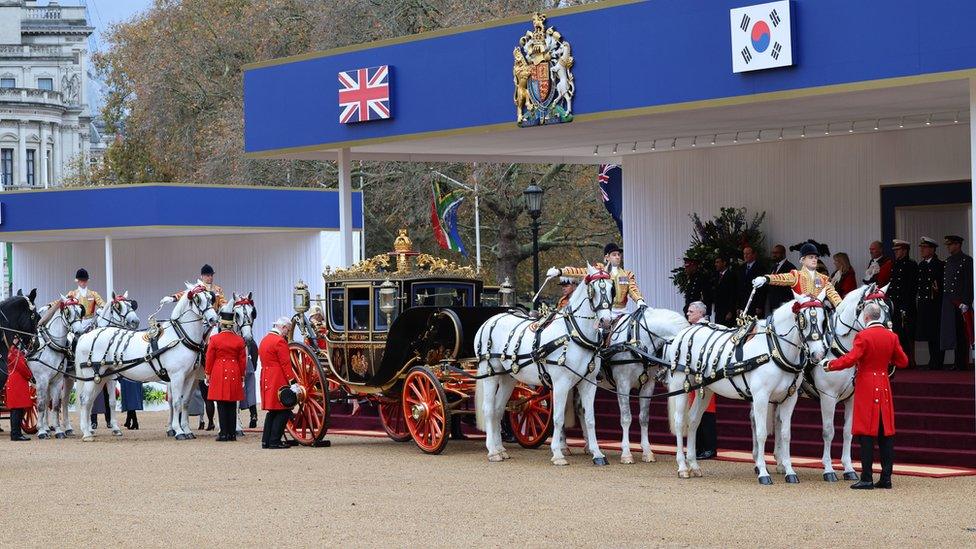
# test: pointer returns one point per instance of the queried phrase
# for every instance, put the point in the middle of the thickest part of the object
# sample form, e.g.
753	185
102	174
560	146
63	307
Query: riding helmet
206	270
82	274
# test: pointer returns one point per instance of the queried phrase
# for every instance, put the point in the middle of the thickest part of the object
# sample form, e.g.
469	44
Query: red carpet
935	418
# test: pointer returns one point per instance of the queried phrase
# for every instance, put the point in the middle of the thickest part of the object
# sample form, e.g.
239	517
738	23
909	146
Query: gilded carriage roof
403	262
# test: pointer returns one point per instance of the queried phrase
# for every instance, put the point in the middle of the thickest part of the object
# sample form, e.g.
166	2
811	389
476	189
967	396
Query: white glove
553	272
165	300
963	308
294	388
641	303
759	282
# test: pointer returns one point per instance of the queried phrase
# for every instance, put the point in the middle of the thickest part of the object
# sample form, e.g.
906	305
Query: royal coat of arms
543	76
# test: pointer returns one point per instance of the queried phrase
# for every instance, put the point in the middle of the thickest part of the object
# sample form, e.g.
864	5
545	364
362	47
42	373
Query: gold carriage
398	330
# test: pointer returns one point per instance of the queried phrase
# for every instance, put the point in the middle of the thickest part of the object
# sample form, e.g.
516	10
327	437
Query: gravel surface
144	490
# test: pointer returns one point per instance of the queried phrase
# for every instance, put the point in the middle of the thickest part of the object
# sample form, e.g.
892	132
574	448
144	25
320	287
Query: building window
8	83
45	84
30	166
7	166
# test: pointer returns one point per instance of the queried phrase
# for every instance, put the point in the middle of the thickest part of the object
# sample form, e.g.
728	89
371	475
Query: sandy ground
144	490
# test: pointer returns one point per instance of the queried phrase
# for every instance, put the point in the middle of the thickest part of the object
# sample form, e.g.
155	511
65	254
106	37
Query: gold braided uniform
219	299
804	284
91	301
624	283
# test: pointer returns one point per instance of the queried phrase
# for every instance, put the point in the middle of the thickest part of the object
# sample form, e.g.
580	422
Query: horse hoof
59	435
43	435
792	479
648	458
559	461
171	433
696	473
766	480
70	432
684	474
601	461
88	438
495	458
504	454
117	432
850	475
830	477
627	459
181	436
191	436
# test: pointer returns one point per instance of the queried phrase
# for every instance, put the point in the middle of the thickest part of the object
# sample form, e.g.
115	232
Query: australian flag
611	188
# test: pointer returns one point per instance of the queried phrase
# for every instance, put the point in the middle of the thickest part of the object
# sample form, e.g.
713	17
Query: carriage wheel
425	410
391	415
29	423
311	419
530	415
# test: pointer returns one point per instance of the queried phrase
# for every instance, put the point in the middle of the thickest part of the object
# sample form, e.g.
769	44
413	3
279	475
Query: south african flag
443	216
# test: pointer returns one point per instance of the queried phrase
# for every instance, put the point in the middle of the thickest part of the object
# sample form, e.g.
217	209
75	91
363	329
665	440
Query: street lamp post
533	201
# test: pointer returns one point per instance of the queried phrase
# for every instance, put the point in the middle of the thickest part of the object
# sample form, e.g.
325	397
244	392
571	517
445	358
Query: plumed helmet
82	274
811	247
206	270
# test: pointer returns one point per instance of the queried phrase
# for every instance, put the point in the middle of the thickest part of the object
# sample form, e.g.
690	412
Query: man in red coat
19	398
874	349
276	373
225	366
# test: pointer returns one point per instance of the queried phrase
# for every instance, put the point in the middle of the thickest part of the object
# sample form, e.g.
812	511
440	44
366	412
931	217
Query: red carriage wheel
311	419
530	415
425	410
29	423
391	415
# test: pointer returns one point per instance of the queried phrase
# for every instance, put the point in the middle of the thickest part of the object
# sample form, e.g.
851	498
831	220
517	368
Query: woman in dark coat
131	402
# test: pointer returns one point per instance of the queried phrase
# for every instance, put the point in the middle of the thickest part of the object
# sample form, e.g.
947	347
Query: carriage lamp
506	294
388	296
300	297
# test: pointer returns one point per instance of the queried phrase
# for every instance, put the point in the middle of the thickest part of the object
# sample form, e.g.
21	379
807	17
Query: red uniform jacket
275	370
226	362
874	349
18	384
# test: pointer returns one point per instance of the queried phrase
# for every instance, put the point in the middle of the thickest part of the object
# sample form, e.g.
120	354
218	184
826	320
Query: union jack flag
364	94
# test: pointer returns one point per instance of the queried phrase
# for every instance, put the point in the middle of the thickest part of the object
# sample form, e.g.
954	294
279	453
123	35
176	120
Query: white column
109	272
345	206
21	153
41	154
56	154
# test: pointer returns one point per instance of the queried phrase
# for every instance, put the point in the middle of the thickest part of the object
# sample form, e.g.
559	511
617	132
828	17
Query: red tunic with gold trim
19	382
275	370
225	366
806	282
874	349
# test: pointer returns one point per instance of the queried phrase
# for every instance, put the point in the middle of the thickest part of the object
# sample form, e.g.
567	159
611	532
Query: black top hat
82	274
206	270
953	239
287	397
811	247
227	318
612	247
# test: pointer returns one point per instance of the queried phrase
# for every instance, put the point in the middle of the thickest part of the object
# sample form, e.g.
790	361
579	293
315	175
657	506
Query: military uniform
957	290
928	299
806	282
699	288
901	291
88	298
624	284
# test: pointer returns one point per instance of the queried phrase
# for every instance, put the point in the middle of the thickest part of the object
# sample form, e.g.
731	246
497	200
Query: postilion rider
624	283
86	296
805	280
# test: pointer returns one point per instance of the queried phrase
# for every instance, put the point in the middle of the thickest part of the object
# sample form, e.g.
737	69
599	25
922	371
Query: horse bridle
116	310
809	330
605	303
246	320
835	344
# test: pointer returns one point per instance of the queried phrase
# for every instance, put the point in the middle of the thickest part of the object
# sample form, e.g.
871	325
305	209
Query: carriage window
359	309
337	302
379	317
443	295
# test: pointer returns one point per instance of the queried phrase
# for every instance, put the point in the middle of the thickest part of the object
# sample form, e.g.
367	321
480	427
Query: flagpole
477	216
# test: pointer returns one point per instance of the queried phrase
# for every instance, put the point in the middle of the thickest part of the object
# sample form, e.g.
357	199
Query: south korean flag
761	36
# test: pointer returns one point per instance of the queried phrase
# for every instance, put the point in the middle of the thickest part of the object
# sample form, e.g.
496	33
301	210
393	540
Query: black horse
18	317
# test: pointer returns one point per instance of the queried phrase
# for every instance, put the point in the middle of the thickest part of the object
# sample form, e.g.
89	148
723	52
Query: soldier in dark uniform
931	271
957	301
699	286
901	291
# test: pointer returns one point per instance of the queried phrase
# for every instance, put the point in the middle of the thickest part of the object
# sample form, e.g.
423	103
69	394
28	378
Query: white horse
50	359
561	354
170	356
120	312
647	330
761	362
831	388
